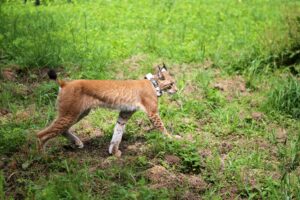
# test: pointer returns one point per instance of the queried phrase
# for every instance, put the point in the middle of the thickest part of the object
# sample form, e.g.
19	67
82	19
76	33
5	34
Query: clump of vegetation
285	97
187	152
63	188
11	138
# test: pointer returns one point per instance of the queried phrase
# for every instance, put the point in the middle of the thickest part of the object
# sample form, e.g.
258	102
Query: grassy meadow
236	64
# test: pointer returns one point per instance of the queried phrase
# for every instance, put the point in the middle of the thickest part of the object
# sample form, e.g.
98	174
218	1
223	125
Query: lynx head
166	81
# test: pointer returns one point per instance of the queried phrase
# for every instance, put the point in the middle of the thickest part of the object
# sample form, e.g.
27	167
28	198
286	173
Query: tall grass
285	97
94	34
2	193
44	37
289	162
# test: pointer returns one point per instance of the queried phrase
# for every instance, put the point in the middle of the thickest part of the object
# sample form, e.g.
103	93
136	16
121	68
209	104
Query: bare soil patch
205	153
4	111
225	147
231	87
191	88
188	195
257	116
172	159
161	177
229	193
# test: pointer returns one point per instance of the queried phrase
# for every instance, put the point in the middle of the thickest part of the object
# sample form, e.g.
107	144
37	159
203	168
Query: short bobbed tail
53	76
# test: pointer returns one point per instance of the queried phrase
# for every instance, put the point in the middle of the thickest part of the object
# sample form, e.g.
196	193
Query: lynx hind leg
71	136
157	123
59	126
74	139
118	133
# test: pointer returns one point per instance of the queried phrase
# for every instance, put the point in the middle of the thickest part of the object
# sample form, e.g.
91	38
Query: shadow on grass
28	165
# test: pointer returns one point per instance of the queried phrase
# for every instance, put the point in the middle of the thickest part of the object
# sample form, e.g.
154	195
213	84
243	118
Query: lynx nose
172	91
175	89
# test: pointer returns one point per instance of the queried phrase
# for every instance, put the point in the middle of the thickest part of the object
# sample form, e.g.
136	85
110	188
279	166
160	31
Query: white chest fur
121	107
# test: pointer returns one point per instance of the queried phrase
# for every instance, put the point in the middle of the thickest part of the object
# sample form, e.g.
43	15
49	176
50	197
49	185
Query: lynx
76	98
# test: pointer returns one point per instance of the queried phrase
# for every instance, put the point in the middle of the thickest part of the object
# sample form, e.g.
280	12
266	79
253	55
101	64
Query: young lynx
76	99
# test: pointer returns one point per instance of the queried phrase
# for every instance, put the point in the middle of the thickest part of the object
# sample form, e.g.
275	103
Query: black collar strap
150	77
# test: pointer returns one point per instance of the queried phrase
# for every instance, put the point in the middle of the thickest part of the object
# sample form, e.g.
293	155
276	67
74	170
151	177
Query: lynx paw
118	153
79	145
178	137
114	149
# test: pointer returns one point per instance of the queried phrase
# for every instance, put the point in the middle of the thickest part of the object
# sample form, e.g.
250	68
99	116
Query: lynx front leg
118	132
157	123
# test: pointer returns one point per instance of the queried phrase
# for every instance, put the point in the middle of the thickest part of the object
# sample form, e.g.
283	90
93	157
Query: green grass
285	97
2	191
243	143
93	35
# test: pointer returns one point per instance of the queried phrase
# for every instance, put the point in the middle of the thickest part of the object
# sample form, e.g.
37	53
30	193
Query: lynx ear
164	67
159	74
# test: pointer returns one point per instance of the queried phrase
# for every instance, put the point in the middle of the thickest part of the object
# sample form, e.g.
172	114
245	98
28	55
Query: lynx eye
171	85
